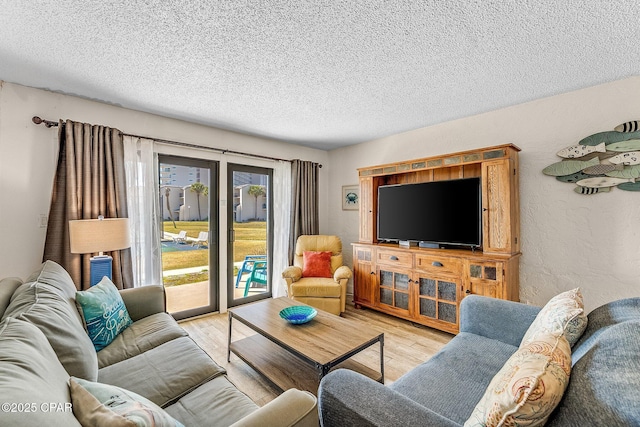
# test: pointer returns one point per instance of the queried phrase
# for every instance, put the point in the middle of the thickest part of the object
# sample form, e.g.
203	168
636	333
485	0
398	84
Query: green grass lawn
251	239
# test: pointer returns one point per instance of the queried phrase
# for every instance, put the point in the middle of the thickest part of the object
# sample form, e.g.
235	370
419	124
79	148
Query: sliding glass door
249	225
189	204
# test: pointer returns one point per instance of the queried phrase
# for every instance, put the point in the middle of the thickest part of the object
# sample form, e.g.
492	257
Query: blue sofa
604	386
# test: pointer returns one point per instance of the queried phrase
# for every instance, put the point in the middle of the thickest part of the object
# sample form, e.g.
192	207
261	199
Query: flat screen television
437	212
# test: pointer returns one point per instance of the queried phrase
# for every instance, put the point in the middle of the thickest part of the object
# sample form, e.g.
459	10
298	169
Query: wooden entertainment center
426	286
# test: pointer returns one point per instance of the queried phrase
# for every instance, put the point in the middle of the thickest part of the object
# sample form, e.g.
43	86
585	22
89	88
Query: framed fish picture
350	197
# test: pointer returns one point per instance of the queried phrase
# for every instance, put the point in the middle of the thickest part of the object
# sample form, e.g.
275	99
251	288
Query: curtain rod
50	123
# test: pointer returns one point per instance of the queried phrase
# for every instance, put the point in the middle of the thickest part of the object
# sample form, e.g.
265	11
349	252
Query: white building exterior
183	203
247	207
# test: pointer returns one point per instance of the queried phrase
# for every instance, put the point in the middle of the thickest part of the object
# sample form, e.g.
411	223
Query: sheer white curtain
281	225
140	163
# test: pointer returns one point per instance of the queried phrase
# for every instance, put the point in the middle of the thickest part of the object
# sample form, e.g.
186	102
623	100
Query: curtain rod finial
48	123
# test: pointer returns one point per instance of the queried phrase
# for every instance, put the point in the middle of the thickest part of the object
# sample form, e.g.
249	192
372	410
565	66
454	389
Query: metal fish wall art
628	158
609	138
629	145
604	181
601	161
600	169
591	190
632	126
575	177
627	172
579	150
630	186
569	167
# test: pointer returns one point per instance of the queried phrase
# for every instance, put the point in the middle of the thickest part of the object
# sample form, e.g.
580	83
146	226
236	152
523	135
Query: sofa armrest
292	273
501	320
347	398
292	408
342	272
144	301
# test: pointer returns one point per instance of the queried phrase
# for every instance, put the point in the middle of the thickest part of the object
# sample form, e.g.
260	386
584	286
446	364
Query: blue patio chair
247	266
258	276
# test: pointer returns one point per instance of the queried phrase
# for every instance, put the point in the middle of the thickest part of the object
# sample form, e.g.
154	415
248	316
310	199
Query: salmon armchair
324	293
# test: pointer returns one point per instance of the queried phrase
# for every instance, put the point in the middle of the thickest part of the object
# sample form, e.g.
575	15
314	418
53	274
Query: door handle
232	235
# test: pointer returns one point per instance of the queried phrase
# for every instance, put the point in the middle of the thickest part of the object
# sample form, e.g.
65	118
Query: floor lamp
100	235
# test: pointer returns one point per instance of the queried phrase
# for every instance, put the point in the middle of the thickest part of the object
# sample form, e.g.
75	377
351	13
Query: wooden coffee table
298	356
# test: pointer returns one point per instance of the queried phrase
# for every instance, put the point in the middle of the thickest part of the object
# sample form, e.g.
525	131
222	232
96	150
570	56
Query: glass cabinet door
438	298
394	289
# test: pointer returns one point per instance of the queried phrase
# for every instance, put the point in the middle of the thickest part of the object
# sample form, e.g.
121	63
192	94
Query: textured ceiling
318	73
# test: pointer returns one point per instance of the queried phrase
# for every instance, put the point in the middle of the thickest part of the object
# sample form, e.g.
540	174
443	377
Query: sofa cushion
104	312
31	379
605	385
141	336
47	299
528	387
455	378
563	314
165	373
603	317
104	405
316	287
7	288
218	396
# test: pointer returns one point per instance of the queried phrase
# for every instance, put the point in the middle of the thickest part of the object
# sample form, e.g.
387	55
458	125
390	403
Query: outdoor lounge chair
258	276
202	240
247	266
181	237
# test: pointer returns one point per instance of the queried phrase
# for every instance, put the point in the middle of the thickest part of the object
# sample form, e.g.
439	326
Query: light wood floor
405	346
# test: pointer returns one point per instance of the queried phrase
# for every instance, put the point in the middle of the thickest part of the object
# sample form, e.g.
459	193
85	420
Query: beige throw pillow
563	314
97	405
528	387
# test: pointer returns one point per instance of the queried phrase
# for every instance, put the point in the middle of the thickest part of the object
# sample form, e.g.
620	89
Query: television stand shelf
426	285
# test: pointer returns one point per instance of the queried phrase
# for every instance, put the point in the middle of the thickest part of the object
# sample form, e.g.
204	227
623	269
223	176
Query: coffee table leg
322	370
229	340
382	359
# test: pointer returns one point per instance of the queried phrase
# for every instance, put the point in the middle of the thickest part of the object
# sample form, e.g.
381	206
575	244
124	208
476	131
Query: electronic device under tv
435	213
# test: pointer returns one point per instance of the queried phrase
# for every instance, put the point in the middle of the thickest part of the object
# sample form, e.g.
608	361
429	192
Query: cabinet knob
468	291
373	272
436	264
393	258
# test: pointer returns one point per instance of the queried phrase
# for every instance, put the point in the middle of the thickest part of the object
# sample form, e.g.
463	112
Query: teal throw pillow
104	312
104	405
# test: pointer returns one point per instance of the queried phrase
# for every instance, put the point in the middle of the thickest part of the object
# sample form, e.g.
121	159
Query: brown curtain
304	202
89	181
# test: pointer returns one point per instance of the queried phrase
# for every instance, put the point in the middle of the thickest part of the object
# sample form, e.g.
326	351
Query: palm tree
167	191
256	191
199	188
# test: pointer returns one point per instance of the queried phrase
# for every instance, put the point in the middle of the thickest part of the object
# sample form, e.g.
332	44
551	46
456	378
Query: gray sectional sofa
603	389
43	343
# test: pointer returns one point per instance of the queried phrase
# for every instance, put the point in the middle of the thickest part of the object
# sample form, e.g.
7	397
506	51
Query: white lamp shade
98	235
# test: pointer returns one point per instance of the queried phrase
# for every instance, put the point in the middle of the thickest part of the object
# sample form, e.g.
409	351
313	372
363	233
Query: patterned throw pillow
563	314
104	312
528	387
99	405
316	264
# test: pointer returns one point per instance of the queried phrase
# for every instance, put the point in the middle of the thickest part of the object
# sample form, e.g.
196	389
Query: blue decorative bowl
298	314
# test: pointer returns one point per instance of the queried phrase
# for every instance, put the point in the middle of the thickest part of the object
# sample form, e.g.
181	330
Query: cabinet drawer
439	264
396	258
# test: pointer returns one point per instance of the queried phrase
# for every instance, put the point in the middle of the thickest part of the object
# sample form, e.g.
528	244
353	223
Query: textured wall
568	240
